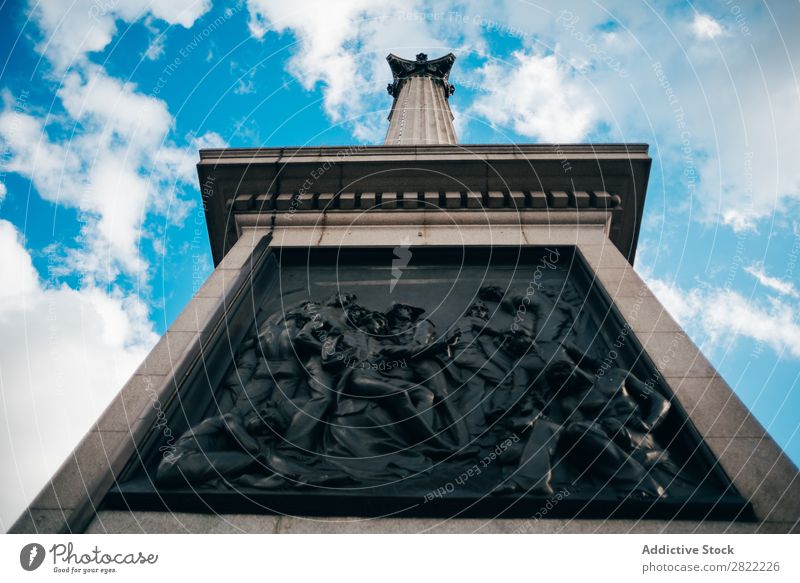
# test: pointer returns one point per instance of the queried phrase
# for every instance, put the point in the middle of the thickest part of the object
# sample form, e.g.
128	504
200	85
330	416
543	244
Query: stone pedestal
417	192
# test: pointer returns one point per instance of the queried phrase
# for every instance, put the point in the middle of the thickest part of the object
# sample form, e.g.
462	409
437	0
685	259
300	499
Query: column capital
436	69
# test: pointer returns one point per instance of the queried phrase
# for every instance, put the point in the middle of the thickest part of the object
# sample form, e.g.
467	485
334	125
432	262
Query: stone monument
400	334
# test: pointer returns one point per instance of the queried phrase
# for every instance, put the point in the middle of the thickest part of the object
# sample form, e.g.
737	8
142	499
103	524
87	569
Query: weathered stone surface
127	407
559	199
237	257
646	314
74	481
216	284
602	199
243	202
305	201
167	354
368	200
251	237
347	200
387	234
39	521
452	200
538	200
603	256
778	528
431	200
283	202
264	202
517	199
326	201
410	200
714	409
388	200
121	522
622	283
580	199
196	315
675	355
762	473
349	525
495	199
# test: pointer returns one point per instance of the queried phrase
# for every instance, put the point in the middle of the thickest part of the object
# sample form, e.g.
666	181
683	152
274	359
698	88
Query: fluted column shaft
421	115
421	111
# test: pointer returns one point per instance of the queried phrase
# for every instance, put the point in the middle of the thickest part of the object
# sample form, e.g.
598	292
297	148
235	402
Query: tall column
421	111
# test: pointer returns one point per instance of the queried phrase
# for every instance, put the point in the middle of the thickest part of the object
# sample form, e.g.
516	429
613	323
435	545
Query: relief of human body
331	393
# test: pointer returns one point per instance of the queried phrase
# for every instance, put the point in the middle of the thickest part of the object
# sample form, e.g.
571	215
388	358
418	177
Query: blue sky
104	103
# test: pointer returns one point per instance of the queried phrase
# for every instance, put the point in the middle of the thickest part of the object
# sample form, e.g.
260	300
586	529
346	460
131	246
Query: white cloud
183	12
155	50
245	83
742	106
114	108
537	96
3	191
782	287
738	99
71	29
109	156
30	153
70	353
720	317
20	278
342	49
117	167
322	29
750	173
705	27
